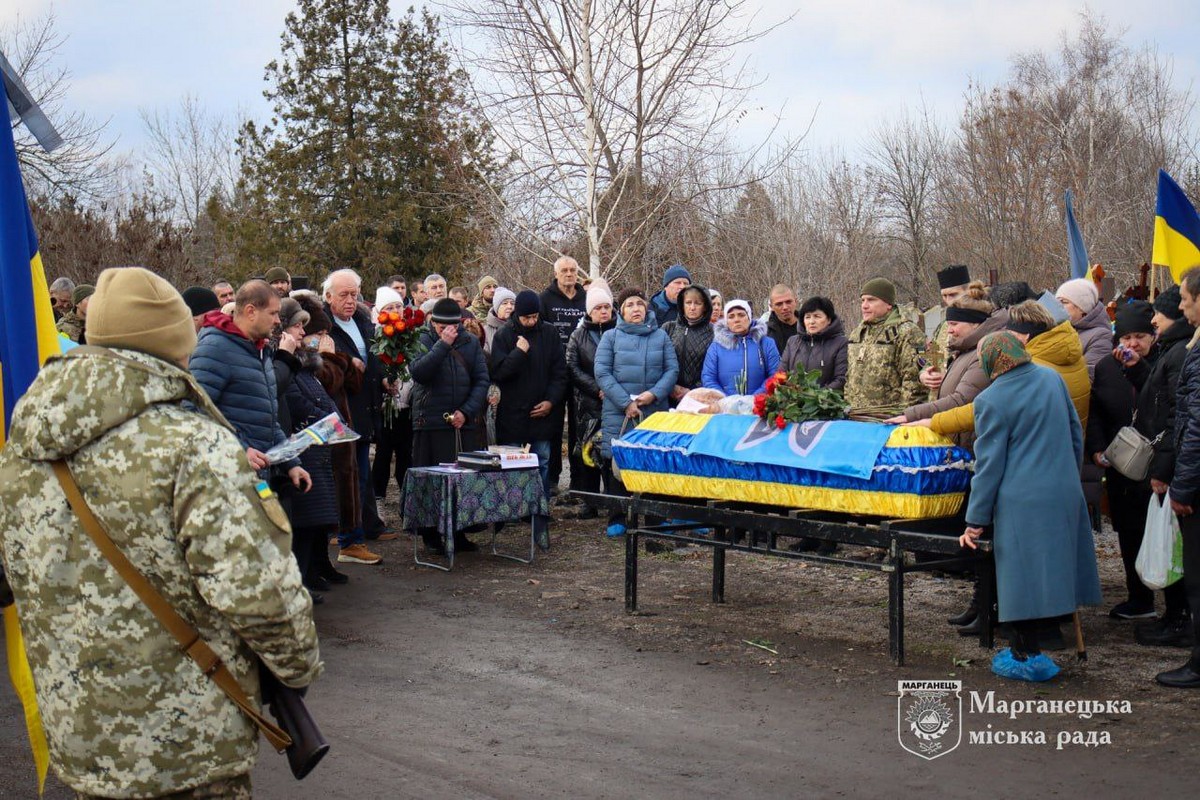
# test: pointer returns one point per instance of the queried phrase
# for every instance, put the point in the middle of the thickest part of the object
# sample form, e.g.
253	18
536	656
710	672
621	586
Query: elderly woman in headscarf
1026	487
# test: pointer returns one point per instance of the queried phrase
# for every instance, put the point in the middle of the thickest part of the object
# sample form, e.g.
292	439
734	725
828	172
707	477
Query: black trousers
1190	526
1127	504
395	443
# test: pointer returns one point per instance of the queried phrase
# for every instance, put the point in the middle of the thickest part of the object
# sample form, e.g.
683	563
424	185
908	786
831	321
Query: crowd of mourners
1035	384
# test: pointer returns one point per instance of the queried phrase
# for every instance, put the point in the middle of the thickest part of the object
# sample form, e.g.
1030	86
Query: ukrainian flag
1176	229
27	339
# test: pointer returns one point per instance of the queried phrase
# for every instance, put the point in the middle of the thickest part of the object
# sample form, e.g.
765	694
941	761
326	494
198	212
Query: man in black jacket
562	305
1186	481
528	366
783	322
352	332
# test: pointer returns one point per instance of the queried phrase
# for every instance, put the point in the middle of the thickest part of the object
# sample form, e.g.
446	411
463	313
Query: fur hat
1081	292
318	320
134	308
292	313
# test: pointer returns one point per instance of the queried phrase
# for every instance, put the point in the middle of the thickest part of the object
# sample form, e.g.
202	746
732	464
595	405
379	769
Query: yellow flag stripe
1173	250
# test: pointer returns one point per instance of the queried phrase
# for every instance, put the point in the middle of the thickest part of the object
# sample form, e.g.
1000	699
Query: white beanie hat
1081	292
744	305
385	296
597	295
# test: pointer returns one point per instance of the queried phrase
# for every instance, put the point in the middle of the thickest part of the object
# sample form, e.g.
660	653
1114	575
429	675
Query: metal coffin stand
764	526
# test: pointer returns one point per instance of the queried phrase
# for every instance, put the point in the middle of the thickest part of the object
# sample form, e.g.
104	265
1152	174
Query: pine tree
372	154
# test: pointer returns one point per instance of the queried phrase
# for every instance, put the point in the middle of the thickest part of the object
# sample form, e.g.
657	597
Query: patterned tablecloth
452	501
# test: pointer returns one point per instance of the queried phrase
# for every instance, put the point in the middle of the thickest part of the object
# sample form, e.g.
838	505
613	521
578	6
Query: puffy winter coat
526	379
1058	349
691	340
366	403
631	359
307	401
239	377
448	379
581	366
1095	335
825	351
740	364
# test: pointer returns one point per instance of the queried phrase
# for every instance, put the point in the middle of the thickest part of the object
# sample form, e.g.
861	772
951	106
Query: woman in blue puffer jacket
742	356
636	368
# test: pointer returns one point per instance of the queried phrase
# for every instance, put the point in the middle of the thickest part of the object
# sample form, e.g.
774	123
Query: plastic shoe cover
1034	669
615	530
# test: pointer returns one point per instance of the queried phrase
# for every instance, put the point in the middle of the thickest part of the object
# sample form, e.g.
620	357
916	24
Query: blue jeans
542	450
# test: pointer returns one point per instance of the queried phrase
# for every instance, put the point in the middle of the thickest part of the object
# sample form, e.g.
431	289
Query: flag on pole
27	339
1075	247
1176	229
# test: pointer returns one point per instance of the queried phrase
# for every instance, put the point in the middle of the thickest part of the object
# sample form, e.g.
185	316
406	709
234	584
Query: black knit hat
953	275
1167	303
822	304
446	312
1133	317
201	300
1004	295
526	303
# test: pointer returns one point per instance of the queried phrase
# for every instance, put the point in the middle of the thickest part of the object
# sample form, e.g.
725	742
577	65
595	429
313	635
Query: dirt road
482	683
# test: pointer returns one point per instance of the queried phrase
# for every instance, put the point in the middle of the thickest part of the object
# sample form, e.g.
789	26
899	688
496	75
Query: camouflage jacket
884	364
126	713
70	325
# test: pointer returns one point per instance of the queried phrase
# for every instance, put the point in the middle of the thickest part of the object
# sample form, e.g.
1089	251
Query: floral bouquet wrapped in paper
397	341
327	430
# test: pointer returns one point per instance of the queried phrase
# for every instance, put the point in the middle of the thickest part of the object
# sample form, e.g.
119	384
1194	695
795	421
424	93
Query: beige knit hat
135	308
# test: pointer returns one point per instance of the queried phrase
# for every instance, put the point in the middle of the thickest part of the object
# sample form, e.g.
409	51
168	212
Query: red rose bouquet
798	397
397	341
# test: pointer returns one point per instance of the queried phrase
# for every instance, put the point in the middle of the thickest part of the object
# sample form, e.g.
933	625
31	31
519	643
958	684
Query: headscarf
1000	352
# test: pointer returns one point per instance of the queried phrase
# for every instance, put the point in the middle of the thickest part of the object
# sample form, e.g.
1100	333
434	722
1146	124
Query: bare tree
83	166
193	155
607	107
906	155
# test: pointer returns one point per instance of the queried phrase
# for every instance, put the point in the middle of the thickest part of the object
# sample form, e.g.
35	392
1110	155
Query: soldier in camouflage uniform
884	353
126	713
72	323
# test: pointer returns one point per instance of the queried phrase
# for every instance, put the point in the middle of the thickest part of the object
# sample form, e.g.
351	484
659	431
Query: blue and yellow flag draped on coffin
917	473
1176	229
27	339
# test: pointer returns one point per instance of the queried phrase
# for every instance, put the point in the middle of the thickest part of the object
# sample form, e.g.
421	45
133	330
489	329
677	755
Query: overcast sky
851	62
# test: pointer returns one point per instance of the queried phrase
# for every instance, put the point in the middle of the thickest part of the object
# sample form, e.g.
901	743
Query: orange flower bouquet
397	341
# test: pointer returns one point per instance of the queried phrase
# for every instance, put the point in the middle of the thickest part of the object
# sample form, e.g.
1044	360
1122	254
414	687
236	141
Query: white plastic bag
1155	560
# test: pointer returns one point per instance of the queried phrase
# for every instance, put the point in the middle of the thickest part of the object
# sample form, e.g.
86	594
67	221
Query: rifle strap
188	637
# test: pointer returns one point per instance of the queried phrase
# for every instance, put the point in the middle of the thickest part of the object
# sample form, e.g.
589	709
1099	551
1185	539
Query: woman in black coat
1114	396
691	334
581	365
822	345
528	366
